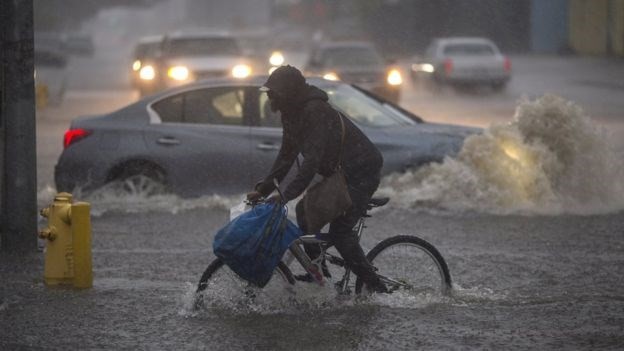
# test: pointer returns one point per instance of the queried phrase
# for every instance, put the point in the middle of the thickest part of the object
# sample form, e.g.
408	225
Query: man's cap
284	80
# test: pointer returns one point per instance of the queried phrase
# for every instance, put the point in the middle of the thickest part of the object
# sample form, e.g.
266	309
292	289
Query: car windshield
470	49
364	110
351	56
147	49
204	46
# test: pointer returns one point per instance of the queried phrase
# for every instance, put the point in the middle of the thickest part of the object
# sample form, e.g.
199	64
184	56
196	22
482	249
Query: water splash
550	159
105	200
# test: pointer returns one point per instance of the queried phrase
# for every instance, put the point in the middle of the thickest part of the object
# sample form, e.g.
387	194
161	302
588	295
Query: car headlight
178	73
136	65
241	71
427	67
423	67
276	59
331	76
147	73
394	77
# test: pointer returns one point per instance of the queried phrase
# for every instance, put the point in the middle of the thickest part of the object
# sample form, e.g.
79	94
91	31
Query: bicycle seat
378	202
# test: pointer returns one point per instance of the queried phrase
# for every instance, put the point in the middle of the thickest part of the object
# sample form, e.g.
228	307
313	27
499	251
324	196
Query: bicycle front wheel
220	286
410	264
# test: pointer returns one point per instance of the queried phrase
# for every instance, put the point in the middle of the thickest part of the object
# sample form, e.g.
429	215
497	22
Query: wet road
522	280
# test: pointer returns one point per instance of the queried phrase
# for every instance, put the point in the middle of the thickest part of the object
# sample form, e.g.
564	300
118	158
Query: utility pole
18	171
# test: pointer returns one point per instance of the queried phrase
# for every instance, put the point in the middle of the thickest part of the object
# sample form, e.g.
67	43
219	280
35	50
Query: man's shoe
379	288
307	277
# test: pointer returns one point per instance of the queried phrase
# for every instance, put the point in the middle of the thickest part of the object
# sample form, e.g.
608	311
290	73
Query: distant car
463	62
52	41
145	62
219	136
187	56
356	62
50	76
79	44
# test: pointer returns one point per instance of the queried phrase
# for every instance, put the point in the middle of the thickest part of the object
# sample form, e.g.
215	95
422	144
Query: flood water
528	282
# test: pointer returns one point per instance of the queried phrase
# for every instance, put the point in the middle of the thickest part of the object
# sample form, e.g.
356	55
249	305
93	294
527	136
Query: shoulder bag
329	199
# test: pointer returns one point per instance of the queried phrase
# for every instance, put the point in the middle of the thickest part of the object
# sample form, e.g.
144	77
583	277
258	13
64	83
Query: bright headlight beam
394	77
276	59
330	76
178	73
427	67
511	152
136	65
147	73
241	71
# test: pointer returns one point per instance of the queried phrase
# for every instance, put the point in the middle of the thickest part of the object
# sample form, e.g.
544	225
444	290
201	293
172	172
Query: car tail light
448	66
74	135
507	64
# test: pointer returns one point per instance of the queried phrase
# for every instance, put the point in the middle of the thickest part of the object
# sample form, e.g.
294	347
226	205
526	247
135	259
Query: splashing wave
550	159
104	201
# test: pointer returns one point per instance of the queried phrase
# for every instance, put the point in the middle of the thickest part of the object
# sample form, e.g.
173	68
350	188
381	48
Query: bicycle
402	262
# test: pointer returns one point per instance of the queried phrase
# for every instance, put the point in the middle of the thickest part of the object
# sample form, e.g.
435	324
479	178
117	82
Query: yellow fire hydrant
68	245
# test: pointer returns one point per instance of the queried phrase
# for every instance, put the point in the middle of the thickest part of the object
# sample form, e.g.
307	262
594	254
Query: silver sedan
463	62
219	137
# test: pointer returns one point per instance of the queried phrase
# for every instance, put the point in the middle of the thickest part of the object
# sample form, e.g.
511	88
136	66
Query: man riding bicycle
311	127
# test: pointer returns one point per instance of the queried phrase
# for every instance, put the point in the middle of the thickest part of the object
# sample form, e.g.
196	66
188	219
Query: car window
268	118
469	49
170	109
203	47
147	50
219	106
364	110
356	56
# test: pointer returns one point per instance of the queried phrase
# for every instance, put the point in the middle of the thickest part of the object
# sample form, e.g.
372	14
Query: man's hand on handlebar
254	197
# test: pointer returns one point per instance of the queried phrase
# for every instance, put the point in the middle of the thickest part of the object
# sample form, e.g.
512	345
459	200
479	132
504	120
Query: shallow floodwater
530	282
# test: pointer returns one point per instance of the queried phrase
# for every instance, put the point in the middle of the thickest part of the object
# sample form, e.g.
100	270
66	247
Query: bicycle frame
313	267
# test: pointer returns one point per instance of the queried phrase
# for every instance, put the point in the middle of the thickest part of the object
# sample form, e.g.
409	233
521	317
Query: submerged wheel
138	178
222	286
142	184
410	264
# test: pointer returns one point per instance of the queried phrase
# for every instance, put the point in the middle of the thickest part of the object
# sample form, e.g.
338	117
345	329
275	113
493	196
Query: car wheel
140	179
140	184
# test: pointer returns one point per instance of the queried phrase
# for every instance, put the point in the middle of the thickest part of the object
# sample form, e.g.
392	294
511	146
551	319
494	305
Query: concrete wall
617	27
549	26
597	27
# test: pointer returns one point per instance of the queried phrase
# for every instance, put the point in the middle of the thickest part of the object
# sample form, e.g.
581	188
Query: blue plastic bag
253	243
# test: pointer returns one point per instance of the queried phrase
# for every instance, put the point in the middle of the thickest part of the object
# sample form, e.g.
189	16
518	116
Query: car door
202	135
266	134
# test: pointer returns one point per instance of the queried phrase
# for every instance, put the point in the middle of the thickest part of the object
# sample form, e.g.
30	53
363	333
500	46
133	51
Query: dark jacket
312	127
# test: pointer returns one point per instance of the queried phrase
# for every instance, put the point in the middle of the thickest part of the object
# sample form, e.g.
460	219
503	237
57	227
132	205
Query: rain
501	125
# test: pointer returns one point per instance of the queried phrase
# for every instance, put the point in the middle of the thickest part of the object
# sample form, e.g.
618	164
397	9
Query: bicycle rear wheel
221	286
410	264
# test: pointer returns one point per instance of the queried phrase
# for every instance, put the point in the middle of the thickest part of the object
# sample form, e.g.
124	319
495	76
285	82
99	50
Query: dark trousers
343	236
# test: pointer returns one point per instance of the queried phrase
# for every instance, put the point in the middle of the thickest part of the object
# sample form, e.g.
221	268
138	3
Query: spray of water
550	159
105	200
